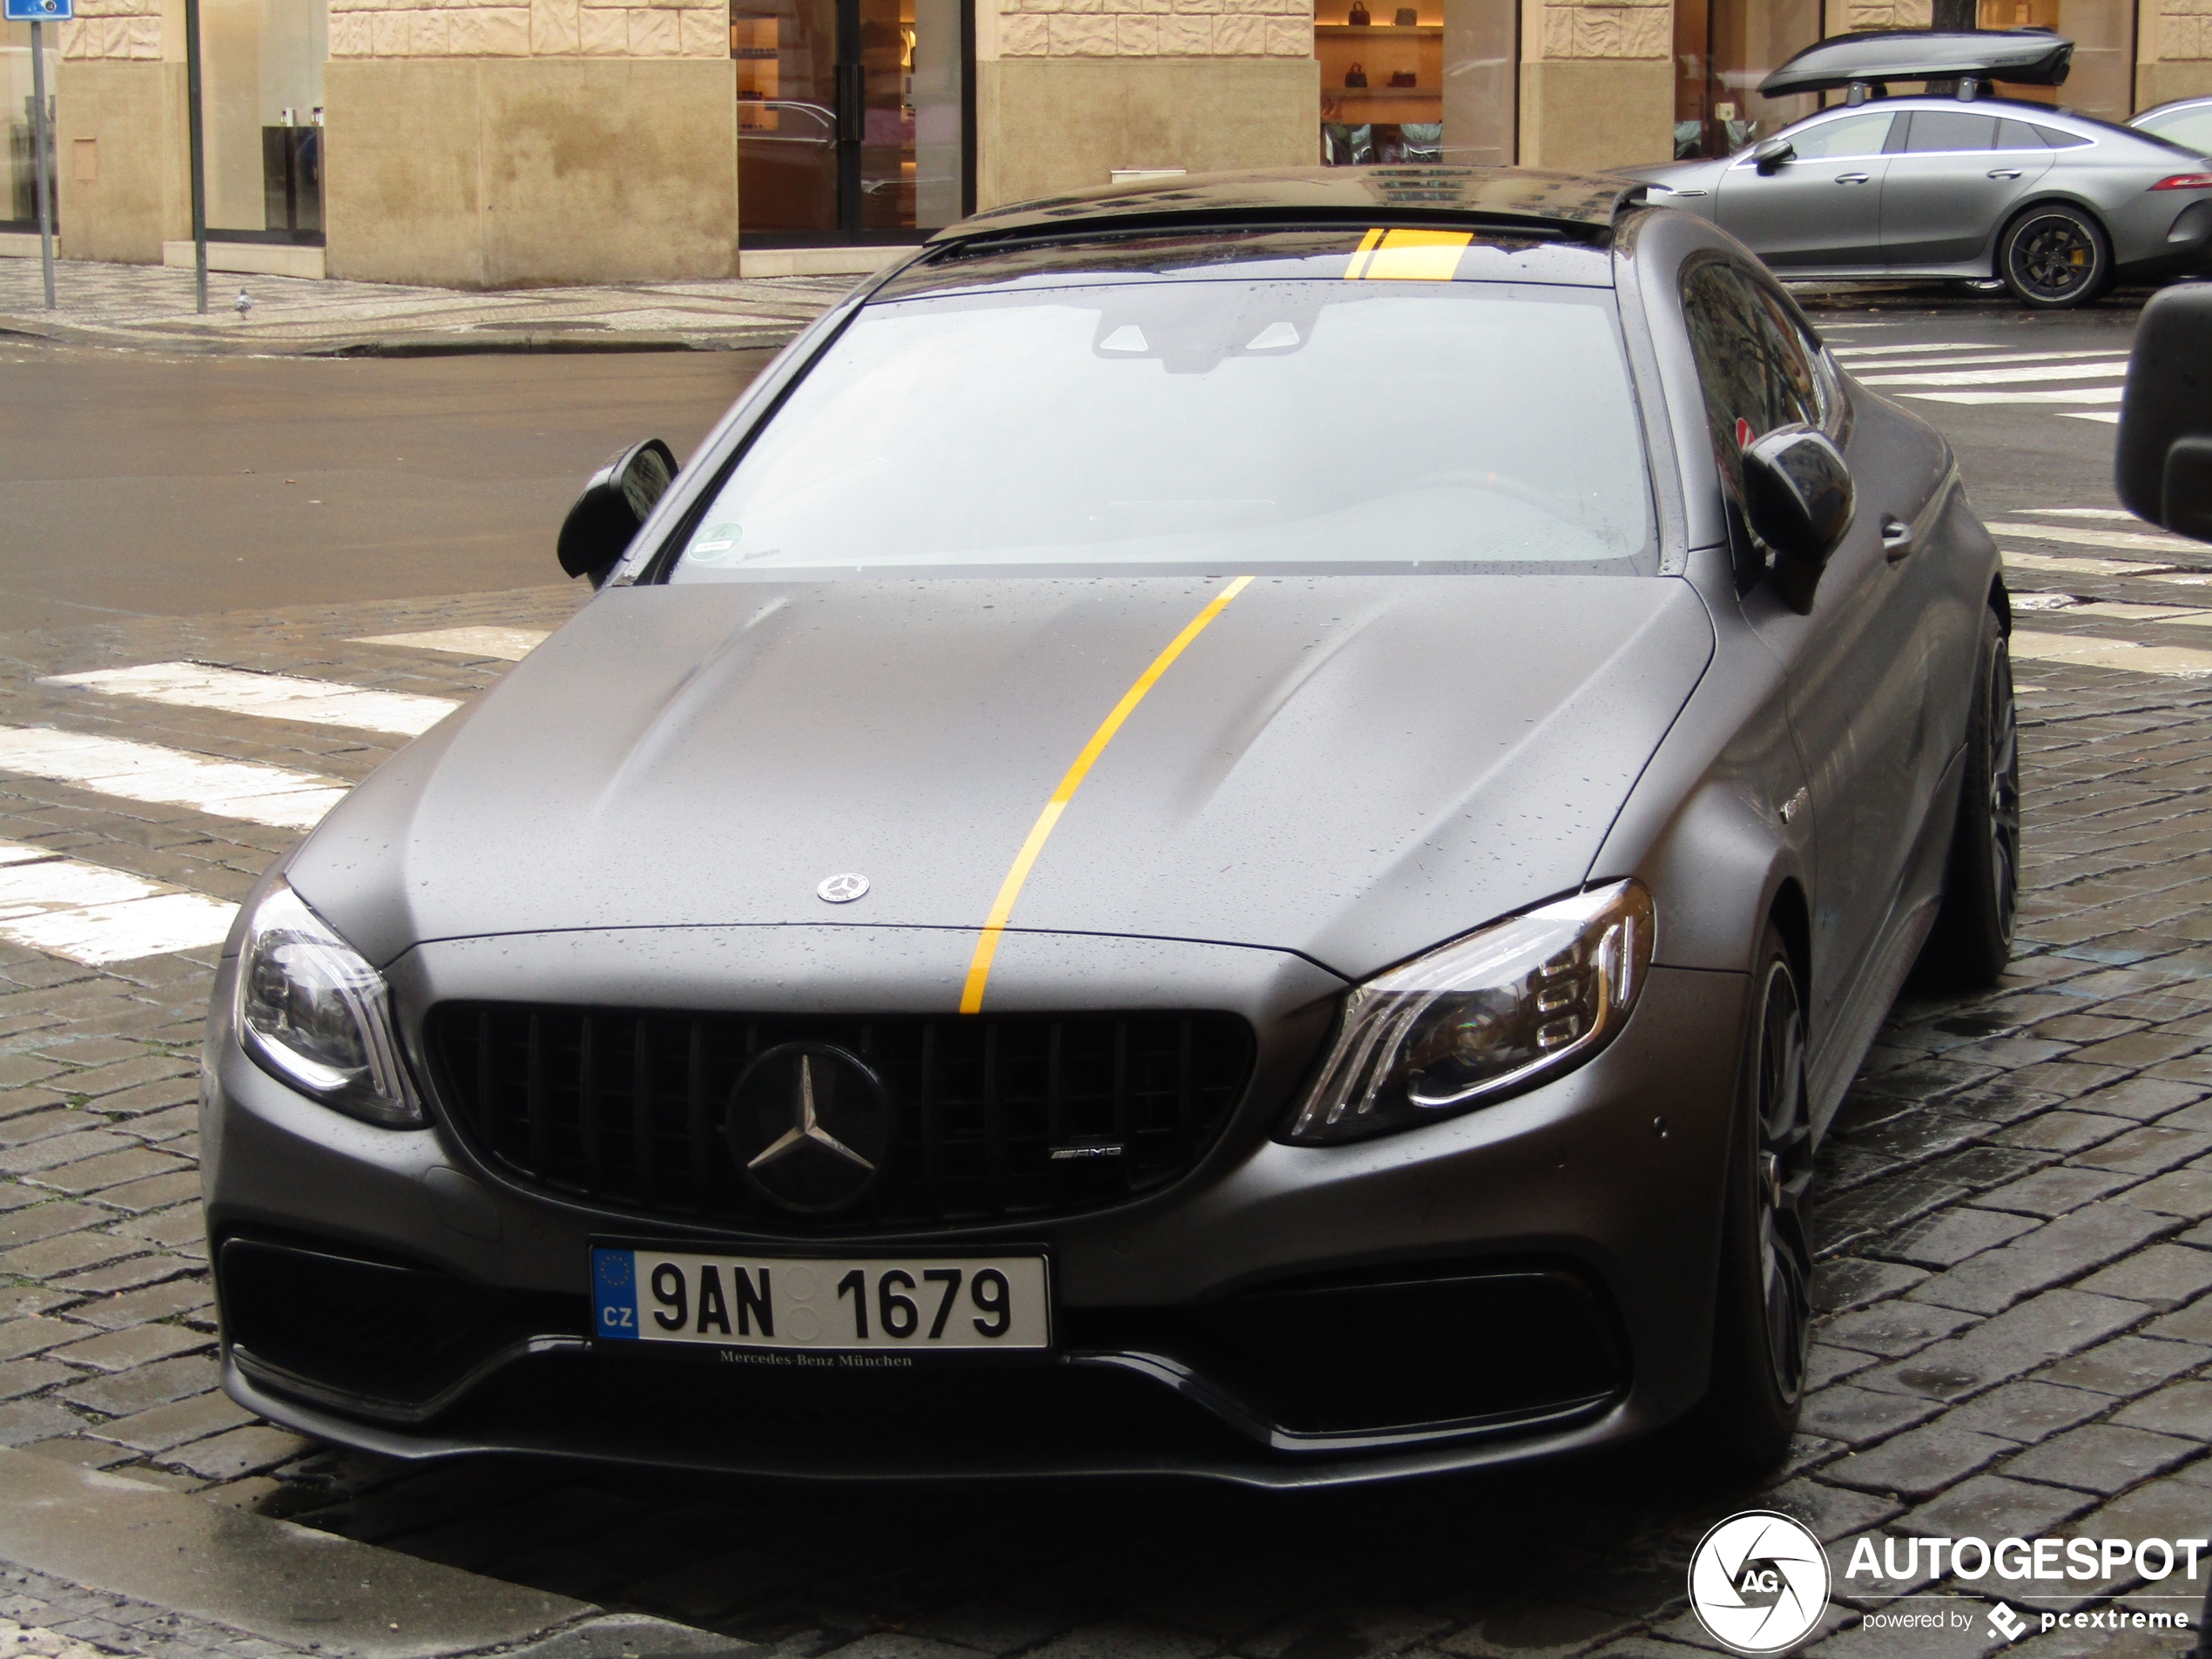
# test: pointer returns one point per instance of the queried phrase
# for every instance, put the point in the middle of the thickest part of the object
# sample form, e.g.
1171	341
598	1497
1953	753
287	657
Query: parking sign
41	11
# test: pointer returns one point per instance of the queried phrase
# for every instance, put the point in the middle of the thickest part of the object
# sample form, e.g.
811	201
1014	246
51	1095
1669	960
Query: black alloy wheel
1972	940
2054	257
1763	1319
1784	1185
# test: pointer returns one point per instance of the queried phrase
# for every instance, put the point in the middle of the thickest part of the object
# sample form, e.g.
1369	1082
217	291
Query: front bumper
1528	1279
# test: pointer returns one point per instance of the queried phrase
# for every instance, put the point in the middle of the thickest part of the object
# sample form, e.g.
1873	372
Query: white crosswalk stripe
277	696
64	904
2148	541
2082	394
1970	359
508	644
2081	385
2044	371
95	916
160	775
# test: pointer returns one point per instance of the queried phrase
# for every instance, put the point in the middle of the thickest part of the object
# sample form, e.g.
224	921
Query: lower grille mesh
630	1109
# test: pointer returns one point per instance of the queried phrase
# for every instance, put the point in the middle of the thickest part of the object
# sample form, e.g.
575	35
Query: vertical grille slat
695	1111
625	1106
642	1109
534	1085
587	1092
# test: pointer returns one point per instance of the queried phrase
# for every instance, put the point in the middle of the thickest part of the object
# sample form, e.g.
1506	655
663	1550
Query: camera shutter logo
1758	1583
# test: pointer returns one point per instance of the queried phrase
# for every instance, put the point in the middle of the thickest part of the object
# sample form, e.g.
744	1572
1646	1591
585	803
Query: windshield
2191	127
1199	425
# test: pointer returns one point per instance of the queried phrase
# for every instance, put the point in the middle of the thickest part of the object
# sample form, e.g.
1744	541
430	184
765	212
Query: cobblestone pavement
2016	1243
152	305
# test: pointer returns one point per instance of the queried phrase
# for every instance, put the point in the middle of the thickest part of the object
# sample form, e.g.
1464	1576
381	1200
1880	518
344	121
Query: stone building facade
543	141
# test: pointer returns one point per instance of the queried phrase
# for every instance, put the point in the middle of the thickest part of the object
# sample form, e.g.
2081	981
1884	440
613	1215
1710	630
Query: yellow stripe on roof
1414	256
986	947
1359	266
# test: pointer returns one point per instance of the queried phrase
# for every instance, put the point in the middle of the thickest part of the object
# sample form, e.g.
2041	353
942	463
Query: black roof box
2024	56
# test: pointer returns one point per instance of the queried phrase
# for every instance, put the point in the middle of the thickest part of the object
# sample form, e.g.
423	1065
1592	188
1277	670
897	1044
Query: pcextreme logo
1758	1583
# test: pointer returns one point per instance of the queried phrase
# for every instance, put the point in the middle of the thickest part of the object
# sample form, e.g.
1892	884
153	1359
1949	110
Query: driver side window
1754	374
1850	135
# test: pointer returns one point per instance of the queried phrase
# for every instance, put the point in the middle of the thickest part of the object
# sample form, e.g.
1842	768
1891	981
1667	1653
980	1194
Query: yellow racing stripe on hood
986	947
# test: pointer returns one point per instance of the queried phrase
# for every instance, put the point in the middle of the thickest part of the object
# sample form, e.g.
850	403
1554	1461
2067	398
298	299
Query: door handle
1897	538
1851	178
852	101
2004	172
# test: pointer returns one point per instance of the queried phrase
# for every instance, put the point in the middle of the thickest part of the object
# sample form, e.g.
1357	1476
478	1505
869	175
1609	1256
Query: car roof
2016	109
1575	206
2171	103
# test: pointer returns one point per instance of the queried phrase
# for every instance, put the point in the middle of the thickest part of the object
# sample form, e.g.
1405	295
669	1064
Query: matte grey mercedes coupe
2056	205
1243	827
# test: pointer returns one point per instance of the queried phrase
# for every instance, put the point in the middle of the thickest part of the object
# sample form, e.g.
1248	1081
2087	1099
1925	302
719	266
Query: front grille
630	1109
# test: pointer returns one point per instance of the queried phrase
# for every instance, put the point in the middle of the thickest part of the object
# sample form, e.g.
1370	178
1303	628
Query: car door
1821	205
1953	181
1856	669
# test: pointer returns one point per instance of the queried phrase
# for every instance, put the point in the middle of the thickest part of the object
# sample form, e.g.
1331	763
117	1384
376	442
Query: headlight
1518	1001
317	1017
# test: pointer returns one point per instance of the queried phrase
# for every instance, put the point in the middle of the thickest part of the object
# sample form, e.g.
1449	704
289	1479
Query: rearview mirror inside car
1798	499
2163	466
616	501
1769	153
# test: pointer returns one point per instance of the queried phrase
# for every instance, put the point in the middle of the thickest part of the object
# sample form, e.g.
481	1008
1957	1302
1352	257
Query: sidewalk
150	308
96	1566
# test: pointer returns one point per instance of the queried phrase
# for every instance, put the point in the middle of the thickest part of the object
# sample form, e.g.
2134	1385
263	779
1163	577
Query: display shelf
1378	30
1384	95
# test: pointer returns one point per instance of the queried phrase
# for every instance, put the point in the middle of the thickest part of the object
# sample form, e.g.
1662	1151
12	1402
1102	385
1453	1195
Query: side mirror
619	496
2163	468
1769	153
1798	499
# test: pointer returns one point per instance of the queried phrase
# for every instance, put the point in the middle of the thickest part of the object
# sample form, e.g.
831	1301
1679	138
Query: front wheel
1763	1318
1972	940
2054	257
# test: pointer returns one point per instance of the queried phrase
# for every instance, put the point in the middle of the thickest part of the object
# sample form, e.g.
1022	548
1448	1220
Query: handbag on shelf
1359	18
1401	78
1408	17
1356	76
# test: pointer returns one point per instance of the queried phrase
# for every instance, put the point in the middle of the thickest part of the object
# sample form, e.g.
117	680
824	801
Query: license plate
800	1310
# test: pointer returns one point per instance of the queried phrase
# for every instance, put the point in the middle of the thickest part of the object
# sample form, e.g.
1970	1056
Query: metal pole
199	156
40	129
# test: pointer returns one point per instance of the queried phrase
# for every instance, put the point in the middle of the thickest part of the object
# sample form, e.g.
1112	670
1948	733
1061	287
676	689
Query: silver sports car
1246	826
2056	205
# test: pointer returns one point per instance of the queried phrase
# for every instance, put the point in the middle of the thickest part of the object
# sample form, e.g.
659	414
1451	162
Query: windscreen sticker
1408	256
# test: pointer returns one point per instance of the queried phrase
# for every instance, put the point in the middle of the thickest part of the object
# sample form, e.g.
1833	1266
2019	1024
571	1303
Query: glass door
850	119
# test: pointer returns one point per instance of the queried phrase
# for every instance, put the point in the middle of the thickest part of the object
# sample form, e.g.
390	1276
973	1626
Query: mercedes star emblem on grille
811	1126
843	889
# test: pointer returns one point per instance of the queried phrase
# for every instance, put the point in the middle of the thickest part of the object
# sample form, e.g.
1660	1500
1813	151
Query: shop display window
1723	49
261	80
21	206
1434	81
850	118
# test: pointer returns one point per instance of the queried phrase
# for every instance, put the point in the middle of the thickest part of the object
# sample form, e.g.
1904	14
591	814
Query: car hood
1347	767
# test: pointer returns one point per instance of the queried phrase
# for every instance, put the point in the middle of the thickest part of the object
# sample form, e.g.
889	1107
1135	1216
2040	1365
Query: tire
1763	1311
2054	257
1972	940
